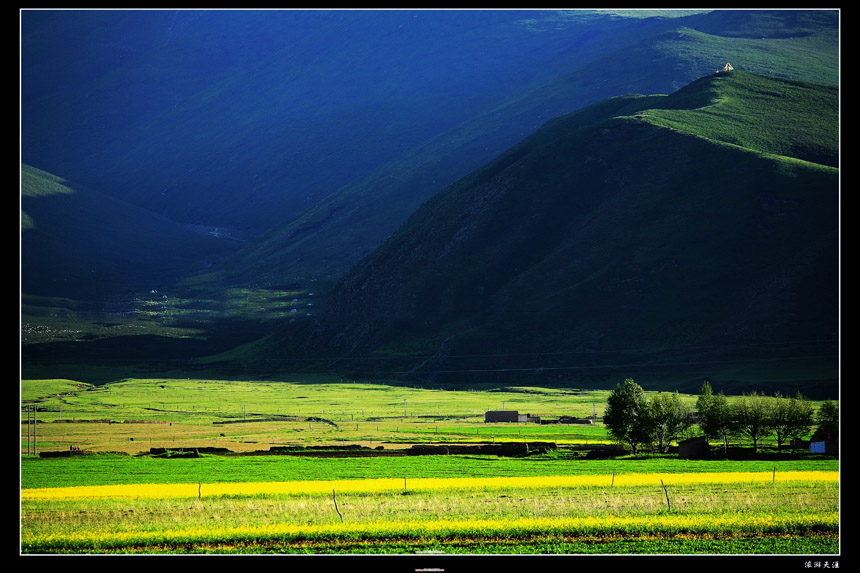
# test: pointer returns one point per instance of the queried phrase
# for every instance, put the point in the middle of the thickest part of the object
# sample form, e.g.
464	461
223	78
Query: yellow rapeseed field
663	523
187	490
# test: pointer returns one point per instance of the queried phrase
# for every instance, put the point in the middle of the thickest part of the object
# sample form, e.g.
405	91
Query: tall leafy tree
670	417
790	417
706	396
627	415
715	415
828	419
751	414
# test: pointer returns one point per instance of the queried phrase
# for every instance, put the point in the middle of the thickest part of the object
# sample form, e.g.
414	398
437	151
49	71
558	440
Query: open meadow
220	466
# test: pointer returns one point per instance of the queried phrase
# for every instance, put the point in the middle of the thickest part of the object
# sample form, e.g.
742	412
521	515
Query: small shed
509	416
694	448
822	442
502	416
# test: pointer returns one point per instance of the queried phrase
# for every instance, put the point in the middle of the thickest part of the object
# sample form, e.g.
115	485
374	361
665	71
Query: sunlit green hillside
666	235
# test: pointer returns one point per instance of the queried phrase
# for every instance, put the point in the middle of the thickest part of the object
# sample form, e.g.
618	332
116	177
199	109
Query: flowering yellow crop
164	491
637	525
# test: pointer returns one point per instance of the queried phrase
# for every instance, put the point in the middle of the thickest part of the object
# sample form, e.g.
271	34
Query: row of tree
638	421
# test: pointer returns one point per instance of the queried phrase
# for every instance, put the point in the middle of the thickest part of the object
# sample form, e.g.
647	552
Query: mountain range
448	182
658	55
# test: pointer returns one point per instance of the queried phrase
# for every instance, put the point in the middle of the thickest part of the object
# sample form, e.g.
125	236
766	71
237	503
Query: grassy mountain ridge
759	114
607	231
325	240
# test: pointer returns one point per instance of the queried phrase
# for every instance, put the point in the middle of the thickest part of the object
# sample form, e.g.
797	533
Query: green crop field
136	414
253	496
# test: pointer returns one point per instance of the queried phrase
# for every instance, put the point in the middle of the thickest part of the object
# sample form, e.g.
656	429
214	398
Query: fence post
334	495
667	495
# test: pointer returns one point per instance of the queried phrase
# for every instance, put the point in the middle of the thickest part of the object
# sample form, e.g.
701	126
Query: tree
715	415
751	415
790	417
626	416
670	417
828	417
705	399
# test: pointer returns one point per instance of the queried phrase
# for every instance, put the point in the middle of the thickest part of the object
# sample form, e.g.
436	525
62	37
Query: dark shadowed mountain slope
322	242
243	118
666	236
79	243
331	127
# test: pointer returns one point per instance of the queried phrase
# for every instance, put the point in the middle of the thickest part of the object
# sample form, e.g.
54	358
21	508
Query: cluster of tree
638	421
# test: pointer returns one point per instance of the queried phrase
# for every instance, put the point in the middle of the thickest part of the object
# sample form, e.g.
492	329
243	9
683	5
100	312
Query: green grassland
119	423
117	469
134	415
243	415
